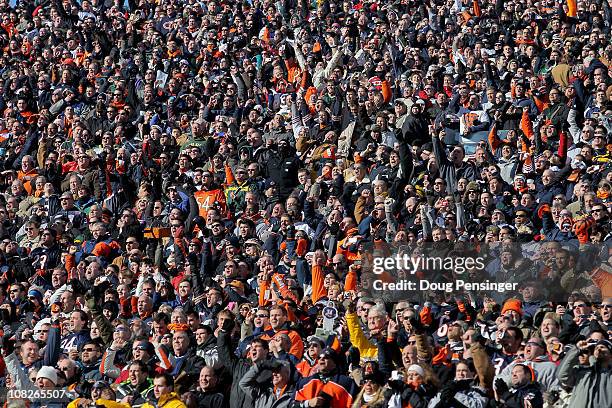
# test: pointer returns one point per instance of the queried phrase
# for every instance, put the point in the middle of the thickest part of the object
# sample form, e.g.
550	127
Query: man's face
314	349
208	379
160	387
534	348
602	353
76	323
277	319
144	305
581	309
58	278
44	383
606	310
184	289
30	353
213	297
139	352
376	321
15	293
148	289
67	301
463	372
136	375
68	368
180	343
201	336
257	352
548	328
519	376
90	354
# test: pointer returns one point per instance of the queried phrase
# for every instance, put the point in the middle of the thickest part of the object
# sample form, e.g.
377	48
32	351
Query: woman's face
370	387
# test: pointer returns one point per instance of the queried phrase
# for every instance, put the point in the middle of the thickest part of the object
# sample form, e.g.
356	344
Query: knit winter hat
48	373
513	304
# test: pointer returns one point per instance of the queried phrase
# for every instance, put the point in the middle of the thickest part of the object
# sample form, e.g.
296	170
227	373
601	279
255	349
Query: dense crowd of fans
193	194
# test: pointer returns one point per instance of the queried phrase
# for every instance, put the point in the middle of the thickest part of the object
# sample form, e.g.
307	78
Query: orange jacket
318	290
339	390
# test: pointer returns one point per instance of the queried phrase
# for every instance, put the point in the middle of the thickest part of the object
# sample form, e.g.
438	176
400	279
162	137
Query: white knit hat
48	373
417	369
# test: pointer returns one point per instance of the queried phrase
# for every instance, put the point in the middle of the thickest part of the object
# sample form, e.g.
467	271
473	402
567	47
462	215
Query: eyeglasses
262	315
15	290
130	242
412	343
89	350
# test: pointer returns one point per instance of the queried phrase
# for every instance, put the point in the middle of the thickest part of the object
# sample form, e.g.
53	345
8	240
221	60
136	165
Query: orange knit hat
513	304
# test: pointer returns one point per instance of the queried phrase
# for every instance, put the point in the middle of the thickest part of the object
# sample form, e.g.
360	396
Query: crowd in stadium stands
193	195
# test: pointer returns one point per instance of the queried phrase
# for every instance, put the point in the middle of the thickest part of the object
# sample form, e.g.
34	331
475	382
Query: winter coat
263	395
545	370
169	400
237	367
591	384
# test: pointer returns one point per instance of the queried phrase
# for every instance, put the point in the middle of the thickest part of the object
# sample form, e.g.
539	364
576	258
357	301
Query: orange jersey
206	200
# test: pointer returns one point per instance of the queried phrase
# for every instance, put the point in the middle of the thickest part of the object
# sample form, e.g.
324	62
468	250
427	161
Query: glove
416	325
501	387
425	316
461	385
77	286
8	345
448	392
334	228
192	259
266	365
228	325
544	208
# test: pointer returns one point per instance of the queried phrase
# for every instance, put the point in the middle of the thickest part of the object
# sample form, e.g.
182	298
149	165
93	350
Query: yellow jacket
169	400
366	349
100	402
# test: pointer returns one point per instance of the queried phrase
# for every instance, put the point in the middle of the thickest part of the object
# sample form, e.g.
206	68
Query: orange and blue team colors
339	389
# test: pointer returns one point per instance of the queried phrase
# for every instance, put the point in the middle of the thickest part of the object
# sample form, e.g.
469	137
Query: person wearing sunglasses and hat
328	387
372	392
